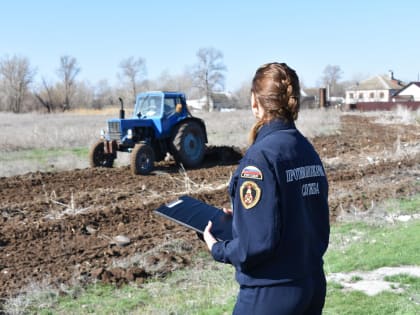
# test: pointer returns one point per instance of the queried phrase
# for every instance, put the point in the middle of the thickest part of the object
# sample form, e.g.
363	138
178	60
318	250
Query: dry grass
42	131
34	142
49	134
174	247
400	115
194	187
81	128
35	294
232	128
106	111
64	209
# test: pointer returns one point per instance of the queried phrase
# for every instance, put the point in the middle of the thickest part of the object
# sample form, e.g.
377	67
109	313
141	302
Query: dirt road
57	228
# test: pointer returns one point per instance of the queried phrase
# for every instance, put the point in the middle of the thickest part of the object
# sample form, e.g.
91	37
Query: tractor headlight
102	134
129	134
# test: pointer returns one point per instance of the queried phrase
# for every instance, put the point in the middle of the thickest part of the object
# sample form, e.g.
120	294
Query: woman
280	210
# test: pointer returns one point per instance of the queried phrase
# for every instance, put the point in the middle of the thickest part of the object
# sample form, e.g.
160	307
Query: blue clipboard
195	215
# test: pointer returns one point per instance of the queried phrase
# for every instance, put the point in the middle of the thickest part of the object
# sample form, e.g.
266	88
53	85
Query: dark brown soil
56	227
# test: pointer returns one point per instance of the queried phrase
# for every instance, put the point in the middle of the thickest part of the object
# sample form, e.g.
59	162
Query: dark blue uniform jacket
280	210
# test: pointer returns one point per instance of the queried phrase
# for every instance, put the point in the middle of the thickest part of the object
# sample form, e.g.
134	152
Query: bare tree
243	95
47	96
16	75
209	72
134	70
67	72
84	94
168	82
103	95
331	77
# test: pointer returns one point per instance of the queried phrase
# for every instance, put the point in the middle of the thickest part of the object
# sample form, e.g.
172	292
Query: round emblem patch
250	194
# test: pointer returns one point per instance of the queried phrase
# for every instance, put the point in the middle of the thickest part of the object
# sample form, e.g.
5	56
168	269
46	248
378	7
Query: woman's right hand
228	211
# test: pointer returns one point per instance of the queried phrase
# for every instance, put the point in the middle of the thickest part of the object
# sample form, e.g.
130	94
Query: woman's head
275	89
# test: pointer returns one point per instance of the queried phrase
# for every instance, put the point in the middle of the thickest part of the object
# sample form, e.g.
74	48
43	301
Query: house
411	92
383	93
380	88
219	101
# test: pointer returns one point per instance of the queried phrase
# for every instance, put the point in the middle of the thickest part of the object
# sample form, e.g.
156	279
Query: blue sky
363	37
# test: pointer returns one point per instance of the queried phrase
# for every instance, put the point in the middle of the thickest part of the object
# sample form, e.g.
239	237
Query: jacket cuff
217	251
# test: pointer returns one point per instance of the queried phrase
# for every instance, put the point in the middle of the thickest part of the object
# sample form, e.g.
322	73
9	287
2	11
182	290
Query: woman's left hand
208	237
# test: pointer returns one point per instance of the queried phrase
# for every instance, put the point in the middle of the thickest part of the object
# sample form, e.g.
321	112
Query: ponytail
254	131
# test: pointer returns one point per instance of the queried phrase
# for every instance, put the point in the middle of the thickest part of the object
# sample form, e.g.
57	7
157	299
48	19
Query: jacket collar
272	126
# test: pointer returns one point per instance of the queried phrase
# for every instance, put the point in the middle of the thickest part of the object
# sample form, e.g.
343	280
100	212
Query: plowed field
57	228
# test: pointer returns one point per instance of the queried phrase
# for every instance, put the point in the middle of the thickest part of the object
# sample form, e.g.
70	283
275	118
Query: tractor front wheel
142	159
98	157
189	144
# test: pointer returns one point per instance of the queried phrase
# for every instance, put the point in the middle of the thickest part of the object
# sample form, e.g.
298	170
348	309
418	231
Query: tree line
19	92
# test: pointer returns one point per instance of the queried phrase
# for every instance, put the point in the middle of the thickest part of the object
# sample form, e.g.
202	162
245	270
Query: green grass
404	206
49	160
359	246
405	279
42	155
106	298
363	246
44	160
354	302
207	288
343	302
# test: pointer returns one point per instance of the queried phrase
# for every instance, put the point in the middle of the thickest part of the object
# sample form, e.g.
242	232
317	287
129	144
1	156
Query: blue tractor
161	124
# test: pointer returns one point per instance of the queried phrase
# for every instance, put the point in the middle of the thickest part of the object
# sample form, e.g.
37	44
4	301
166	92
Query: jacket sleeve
257	222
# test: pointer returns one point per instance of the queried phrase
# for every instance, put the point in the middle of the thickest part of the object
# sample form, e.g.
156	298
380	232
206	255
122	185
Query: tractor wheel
142	159
189	144
98	157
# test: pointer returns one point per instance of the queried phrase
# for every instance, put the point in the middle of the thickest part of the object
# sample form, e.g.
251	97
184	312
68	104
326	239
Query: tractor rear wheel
98	157
189	144
142	159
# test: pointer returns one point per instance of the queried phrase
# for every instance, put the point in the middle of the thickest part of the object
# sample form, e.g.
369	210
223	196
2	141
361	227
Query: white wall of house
354	96
412	90
199	104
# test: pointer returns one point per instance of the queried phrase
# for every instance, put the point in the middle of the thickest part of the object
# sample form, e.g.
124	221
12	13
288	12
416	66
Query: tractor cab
148	106
160	104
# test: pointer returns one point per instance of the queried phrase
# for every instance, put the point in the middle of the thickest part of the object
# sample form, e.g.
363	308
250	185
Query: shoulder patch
250	194
252	172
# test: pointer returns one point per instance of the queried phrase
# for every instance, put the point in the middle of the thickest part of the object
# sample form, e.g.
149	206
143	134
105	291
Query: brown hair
277	90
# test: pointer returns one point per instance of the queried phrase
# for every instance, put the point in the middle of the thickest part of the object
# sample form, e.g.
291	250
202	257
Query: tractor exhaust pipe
122	112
